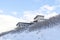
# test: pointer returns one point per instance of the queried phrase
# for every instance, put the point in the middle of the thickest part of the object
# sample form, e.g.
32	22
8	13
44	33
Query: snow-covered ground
47	30
44	34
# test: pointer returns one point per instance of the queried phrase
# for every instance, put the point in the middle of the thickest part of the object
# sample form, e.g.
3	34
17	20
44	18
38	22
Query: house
38	18
23	24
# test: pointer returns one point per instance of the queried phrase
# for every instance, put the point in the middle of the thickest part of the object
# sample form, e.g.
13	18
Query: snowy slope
44	34
50	30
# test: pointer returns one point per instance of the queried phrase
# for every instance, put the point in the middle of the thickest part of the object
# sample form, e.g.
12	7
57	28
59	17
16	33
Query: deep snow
49	31
44	34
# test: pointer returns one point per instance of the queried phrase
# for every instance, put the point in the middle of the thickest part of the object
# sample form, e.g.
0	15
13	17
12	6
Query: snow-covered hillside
45	34
47	30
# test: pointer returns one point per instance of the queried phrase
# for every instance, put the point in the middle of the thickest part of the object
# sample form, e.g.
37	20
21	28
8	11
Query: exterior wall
23	25
38	19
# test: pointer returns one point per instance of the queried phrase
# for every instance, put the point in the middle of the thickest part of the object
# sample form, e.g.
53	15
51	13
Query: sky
14	11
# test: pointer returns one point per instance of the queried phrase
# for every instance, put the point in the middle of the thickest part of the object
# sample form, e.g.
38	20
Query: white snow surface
47	30
45	34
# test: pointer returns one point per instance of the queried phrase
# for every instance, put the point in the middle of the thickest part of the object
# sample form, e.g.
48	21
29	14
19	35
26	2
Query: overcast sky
13	11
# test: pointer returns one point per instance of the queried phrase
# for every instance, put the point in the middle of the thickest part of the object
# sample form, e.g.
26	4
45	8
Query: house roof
38	16
23	23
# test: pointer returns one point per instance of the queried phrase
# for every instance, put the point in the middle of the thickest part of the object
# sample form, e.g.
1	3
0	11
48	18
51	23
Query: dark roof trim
23	23
38	16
